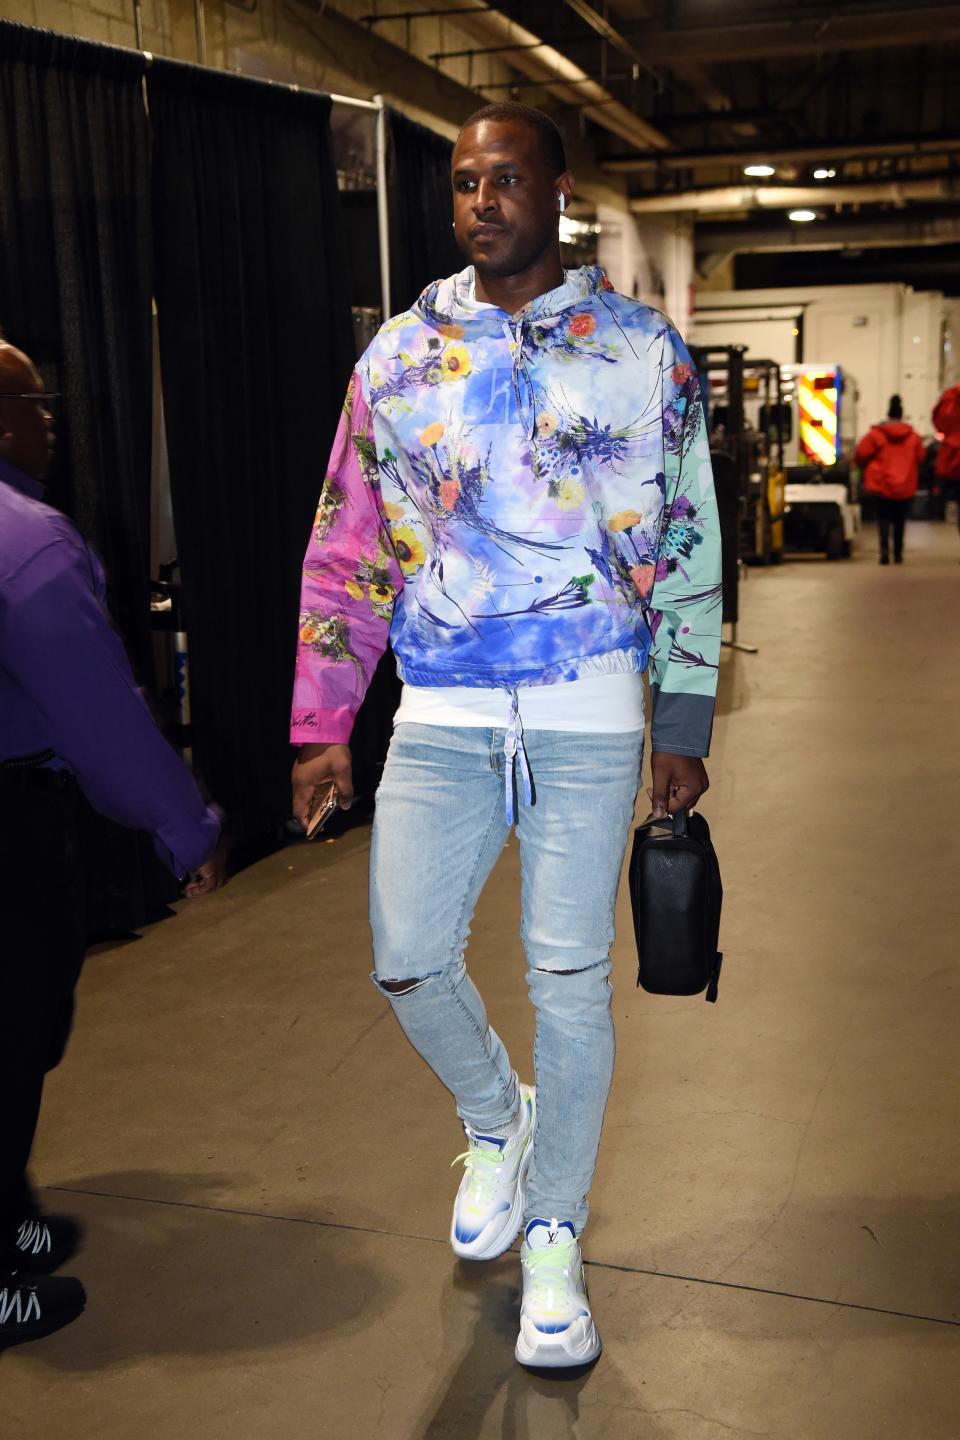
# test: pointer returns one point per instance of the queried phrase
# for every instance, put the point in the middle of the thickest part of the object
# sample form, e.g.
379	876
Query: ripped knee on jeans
579	970
401	987
404	987
398	986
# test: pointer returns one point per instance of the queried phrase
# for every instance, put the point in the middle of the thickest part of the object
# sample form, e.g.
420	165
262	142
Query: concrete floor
263	1165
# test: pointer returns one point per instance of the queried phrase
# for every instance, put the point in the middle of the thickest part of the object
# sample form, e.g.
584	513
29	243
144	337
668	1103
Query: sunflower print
409	548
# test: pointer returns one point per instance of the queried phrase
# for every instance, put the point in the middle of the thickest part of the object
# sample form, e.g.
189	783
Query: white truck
895	340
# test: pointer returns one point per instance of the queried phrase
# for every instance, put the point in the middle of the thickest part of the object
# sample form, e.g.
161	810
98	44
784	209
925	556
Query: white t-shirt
595	704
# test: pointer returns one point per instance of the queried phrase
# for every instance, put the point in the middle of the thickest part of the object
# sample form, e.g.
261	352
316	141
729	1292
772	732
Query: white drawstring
520	368
513	746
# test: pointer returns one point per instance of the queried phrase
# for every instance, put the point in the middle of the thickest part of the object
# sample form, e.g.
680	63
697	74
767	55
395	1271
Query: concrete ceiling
676	97
867	88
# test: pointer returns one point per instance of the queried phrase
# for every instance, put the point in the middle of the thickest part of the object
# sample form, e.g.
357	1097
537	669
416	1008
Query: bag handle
677	822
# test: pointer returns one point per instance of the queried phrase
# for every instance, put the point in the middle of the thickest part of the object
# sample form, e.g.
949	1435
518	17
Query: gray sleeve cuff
682	723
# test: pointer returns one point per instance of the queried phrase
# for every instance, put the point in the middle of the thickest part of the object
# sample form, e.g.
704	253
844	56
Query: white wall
951	343
923	356
863	335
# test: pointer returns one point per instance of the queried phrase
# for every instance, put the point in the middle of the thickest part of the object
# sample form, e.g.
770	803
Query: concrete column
619	250
651	259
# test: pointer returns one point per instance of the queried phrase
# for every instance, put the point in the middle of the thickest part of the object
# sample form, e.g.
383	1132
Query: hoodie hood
453	302
450	307
896	431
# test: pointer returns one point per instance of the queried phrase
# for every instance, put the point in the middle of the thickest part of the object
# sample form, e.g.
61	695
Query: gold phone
324	805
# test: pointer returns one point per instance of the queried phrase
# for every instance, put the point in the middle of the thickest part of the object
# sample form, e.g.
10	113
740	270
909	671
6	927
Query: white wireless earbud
562	201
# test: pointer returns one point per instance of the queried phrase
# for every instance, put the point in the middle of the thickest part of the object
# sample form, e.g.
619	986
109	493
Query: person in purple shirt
71	717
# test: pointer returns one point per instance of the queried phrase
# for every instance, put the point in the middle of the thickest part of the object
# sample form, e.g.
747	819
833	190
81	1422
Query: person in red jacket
890	455
946	422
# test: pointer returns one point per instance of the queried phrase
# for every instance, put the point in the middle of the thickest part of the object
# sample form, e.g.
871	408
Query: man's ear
565	187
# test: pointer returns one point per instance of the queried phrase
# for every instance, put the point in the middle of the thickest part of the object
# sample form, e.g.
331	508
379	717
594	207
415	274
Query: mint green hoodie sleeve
686	605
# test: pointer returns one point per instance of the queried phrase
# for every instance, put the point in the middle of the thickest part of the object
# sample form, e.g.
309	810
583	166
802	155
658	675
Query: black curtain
256	349
358	218
75	289
422	247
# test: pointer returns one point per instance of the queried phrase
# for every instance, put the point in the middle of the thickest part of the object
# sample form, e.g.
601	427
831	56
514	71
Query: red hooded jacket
890	455
946	419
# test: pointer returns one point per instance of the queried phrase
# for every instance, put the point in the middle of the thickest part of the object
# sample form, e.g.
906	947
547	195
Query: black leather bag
676	894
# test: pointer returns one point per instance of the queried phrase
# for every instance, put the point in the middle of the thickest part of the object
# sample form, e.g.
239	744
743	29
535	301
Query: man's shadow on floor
484	1301
185	1279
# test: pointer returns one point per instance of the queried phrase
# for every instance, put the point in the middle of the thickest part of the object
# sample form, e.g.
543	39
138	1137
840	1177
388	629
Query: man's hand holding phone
315	769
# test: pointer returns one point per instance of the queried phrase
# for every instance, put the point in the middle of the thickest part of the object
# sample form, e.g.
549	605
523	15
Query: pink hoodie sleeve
351	577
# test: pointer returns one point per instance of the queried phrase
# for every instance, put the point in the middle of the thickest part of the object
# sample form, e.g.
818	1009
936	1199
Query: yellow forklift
757	453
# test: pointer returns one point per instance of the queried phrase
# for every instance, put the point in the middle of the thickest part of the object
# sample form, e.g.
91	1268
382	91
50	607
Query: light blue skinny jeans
439	827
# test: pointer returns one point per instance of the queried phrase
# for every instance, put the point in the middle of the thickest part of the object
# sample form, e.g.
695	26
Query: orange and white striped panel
817	397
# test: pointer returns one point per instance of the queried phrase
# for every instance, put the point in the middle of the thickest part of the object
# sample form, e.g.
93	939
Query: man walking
70	715
520	493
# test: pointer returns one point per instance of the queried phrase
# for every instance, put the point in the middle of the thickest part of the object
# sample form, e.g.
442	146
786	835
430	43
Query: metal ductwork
911	146
787	197
541	62
867	232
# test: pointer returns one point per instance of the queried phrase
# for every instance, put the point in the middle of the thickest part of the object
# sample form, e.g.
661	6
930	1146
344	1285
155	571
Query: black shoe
45	1243
884	559
32	1306
898	559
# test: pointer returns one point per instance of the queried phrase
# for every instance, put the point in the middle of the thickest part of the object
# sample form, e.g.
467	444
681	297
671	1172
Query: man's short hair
551	141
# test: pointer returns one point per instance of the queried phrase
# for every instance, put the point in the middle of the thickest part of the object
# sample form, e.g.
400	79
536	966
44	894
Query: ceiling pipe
786	197
802	35
563	79
867	233
911	145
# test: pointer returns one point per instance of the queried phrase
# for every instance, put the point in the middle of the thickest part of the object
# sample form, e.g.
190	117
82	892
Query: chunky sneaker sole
578	1344
488	1210
557	1329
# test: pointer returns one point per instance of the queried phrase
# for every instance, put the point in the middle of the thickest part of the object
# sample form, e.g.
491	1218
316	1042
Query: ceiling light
823	174
803	216
759	172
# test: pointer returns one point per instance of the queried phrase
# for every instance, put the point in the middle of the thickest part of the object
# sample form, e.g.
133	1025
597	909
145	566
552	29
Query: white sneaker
488	1209
556	1326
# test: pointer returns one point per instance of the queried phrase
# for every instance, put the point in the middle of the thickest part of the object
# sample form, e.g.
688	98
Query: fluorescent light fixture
802	216
823	174
759	172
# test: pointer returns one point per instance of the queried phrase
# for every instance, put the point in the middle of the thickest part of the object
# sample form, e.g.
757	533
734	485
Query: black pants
891	515
41	955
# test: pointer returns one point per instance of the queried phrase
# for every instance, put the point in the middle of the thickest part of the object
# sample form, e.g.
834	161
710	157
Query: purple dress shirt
66	683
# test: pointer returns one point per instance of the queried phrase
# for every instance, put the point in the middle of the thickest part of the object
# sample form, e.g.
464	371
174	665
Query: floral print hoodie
517	500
